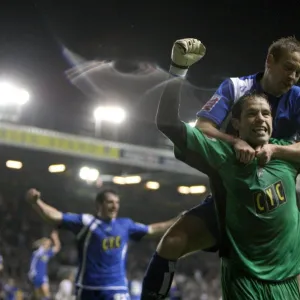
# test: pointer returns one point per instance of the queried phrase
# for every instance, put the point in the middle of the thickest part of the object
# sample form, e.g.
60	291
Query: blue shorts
38	281
206	211
83	294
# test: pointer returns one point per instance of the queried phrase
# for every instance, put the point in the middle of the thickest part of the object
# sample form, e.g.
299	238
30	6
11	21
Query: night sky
236	34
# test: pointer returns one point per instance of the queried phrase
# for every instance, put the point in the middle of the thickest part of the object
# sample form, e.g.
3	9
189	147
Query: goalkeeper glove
185	52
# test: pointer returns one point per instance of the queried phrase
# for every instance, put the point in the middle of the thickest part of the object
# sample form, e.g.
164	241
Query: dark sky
236	33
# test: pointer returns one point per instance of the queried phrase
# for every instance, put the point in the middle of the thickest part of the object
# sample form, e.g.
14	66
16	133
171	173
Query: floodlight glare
192	123
110	114
11	95
89	174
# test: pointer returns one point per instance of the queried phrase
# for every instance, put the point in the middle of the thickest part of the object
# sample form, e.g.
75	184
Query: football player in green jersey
262	217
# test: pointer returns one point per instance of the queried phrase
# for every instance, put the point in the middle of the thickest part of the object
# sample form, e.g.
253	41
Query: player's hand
185	52
264	154
32	196
244	152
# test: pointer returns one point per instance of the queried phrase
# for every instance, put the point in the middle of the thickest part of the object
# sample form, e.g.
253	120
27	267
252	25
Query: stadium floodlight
152	185
118	180
183	190
89	174
11	95
133	179
14	164
197	189
57	168
112	114
127	179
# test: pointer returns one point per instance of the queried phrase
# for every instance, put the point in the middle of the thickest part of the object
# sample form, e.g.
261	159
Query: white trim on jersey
103	288
36	256
90	224
240	87
87	220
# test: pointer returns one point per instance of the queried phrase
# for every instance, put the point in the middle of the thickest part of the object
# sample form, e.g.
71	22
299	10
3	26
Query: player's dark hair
100	198
287	44
237	107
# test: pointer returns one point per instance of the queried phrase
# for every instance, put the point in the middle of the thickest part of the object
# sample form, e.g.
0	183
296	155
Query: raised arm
191	146
185	52
47	212
56	241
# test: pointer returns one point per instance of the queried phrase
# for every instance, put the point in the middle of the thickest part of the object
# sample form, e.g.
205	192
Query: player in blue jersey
202	228
102	241
11	291
46	249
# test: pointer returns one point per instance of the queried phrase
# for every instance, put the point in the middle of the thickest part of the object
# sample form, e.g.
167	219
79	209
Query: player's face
283	73
47	243
110	206
255	124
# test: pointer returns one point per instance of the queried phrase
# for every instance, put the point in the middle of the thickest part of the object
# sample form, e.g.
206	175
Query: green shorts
238	286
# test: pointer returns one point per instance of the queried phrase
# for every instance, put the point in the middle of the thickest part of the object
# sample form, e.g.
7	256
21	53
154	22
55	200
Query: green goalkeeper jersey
262	216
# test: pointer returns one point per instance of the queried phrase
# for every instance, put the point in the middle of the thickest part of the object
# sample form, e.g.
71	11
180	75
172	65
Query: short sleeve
296	102
72	222
281	142
219	105
137	230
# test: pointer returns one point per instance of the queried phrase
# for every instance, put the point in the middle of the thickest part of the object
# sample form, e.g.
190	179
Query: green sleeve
281	142
202	148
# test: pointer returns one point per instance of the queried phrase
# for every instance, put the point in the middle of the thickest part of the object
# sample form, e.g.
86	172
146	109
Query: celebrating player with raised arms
45	249
199	228
102	244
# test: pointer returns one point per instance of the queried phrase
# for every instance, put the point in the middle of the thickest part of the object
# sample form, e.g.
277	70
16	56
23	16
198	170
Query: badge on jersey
212	102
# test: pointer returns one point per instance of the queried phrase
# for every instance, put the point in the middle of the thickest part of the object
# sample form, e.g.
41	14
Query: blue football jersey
285	109
10	292
39	262
102	249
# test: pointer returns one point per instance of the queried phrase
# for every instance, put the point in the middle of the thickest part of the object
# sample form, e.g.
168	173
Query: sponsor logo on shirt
211	103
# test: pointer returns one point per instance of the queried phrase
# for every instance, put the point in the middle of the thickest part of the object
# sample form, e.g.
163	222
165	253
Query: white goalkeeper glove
185	52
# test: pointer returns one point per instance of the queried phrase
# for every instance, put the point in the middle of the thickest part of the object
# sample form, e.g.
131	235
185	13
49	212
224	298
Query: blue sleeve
297	113
137	230
219	105
72	222
50	253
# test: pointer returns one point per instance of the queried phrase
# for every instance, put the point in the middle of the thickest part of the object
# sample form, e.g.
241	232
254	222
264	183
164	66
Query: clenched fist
185	52
33	195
